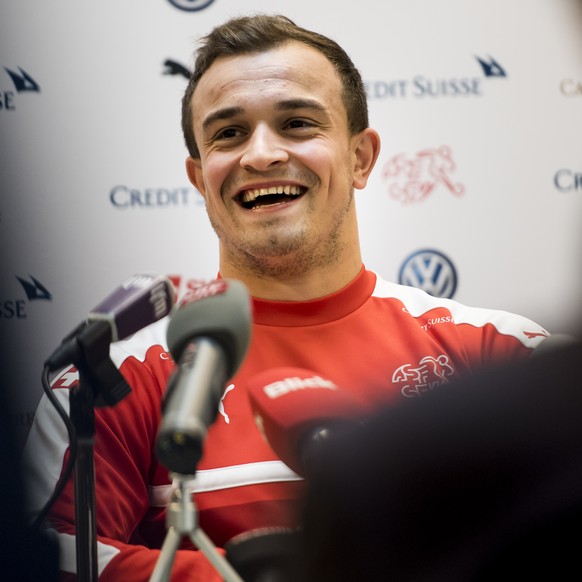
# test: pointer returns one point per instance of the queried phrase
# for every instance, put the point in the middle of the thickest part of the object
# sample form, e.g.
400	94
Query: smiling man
276	125
274	155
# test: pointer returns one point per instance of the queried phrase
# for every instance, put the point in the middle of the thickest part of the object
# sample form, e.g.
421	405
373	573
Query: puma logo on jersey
67	379
532	334
221	409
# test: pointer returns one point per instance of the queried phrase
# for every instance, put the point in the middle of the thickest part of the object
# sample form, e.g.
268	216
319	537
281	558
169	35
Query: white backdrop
480	163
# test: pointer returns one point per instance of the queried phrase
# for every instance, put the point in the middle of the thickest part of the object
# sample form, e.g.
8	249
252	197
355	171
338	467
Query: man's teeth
250	195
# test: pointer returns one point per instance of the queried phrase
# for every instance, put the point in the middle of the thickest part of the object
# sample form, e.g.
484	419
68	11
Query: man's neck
295	286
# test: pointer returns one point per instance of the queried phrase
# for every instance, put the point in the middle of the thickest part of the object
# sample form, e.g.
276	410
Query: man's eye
299	123
228	133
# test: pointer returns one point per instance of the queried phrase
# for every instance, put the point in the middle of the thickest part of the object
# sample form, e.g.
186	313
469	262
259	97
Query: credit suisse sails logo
18	81
15	307
411	179
427	87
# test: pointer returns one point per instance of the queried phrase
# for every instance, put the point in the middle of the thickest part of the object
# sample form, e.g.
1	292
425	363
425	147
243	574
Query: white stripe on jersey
68	560
417	302
45	447
227	477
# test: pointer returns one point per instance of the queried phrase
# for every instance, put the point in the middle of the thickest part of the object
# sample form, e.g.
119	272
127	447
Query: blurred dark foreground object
267	555
26	555
480	480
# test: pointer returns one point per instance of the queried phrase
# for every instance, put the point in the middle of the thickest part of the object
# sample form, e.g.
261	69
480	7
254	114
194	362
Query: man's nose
264	149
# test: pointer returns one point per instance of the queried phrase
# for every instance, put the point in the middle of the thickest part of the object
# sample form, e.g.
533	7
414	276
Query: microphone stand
83	419
182	520
100	384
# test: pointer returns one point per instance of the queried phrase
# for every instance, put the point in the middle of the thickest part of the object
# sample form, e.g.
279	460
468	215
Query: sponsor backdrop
477	194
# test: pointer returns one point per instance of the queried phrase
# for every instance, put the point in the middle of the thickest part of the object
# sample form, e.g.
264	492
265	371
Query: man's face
276	158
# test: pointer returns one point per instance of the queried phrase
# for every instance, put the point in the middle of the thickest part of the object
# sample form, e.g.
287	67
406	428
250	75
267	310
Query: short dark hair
259	33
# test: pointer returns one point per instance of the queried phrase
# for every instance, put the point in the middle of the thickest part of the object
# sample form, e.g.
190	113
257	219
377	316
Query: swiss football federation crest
412	179
431	271
430	373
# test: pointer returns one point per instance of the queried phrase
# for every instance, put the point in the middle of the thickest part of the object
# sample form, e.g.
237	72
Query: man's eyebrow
220	114
290	104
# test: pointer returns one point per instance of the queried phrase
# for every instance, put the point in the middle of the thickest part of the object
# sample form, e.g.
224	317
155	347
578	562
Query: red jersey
386	342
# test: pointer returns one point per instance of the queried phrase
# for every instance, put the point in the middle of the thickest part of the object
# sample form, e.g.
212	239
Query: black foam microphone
139	301
208	336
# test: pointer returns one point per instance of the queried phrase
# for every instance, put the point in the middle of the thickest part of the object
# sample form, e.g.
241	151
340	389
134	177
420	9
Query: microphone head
220	310
139	301
291	405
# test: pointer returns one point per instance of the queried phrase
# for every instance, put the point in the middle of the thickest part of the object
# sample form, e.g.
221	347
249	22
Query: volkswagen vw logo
191	5
431	271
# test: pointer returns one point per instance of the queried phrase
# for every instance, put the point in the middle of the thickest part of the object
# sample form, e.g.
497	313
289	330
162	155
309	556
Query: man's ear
366	152
195	175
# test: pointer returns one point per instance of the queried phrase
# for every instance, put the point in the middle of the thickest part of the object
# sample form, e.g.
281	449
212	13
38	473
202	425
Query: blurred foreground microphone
208	336
138	302
297	410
